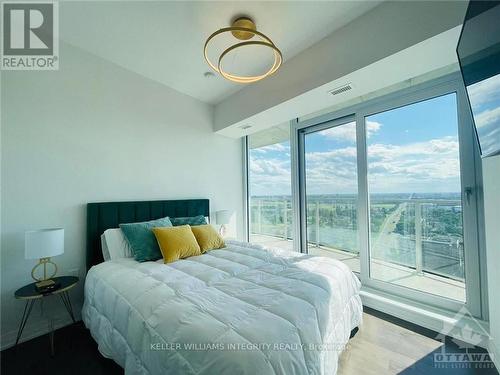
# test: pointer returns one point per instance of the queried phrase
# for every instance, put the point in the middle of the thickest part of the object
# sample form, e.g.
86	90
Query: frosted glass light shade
222	217
43	243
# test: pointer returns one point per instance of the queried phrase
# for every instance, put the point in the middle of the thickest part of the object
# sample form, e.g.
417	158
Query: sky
485	101
412	149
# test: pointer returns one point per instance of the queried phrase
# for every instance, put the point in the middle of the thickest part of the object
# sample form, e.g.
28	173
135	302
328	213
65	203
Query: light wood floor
387	345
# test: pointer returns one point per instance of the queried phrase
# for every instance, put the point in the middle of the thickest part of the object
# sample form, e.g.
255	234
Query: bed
244	309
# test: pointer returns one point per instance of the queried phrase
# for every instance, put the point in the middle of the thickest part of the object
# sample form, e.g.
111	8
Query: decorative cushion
142	241
194	220
207	237
176	243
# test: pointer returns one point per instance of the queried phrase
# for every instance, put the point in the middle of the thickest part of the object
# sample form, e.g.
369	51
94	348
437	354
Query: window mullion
363	199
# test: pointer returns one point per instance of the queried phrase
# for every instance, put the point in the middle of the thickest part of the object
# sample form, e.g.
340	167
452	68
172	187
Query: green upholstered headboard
106	215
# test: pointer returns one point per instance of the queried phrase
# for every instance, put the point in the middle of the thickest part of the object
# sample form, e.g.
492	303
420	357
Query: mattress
243	309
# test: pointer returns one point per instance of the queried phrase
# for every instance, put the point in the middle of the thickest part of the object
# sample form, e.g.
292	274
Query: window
387	186
416	227
269	188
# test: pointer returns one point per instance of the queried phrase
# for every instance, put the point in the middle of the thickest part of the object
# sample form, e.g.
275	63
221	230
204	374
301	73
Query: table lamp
222	218
43	244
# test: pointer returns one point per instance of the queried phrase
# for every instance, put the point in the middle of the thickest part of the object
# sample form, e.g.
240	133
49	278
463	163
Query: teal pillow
142	240
194	220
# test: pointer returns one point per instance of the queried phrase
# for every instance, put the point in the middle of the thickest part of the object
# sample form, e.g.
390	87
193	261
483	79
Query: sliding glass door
389	188
332	191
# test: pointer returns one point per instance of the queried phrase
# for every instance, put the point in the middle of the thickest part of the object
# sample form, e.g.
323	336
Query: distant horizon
351	194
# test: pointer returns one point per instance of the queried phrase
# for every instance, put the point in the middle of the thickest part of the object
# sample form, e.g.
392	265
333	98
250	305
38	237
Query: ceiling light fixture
243	29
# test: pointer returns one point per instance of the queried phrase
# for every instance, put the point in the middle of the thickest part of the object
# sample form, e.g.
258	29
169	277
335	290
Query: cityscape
332	224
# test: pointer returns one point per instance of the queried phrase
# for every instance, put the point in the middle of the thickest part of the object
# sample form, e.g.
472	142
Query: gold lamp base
222	230
46	282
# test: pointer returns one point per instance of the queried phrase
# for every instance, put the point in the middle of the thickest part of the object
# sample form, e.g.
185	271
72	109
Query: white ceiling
163	40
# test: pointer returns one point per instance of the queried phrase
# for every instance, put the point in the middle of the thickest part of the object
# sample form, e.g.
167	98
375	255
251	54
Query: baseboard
38	328
433	319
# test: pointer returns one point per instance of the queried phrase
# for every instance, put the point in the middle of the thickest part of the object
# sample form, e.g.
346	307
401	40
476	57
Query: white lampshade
43	243
222	217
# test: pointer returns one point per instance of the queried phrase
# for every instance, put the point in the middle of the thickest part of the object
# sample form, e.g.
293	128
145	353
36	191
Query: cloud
270	176
270	170
484	92
277	147
488	117
431	166
347	132
271	166
436	147
488	130
421	166
332	172
372	127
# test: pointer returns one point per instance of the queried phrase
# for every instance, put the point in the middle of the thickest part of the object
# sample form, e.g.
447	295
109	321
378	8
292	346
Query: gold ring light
243	29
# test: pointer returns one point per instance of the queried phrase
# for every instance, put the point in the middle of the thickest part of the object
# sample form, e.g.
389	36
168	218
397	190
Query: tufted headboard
102	216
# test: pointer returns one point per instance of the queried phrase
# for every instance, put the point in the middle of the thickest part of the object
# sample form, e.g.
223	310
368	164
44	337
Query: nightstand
31	294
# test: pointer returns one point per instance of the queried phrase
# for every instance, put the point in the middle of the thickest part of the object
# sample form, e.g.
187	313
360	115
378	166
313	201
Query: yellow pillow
207	237
176	242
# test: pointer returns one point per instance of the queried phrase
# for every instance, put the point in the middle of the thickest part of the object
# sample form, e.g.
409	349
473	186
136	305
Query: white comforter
239	310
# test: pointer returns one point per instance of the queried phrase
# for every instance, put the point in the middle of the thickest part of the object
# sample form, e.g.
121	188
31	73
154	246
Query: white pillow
116	243
104	247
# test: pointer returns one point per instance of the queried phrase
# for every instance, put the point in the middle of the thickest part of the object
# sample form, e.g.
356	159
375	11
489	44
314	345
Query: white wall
491	182
93	131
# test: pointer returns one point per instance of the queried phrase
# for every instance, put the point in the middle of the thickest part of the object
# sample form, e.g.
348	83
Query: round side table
31	295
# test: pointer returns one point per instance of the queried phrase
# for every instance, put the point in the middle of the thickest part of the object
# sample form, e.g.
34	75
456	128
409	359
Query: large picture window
387	187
